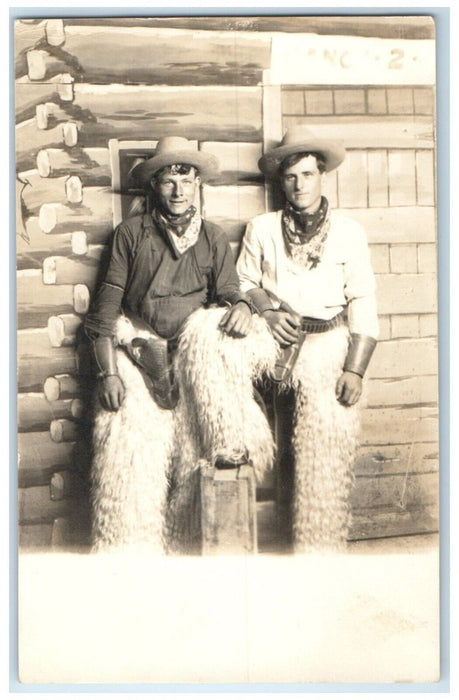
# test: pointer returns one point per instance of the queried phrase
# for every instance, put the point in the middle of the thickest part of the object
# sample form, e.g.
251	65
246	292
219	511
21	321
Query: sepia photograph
227	349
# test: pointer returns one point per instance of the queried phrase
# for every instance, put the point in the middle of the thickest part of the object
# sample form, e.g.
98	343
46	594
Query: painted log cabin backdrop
94	94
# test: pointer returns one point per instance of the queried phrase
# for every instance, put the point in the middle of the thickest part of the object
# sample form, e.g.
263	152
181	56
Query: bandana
305	234
178	223
182	230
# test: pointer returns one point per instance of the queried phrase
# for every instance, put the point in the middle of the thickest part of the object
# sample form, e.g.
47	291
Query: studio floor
370	615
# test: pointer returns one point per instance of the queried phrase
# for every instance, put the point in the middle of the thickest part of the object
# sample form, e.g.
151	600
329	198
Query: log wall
73	102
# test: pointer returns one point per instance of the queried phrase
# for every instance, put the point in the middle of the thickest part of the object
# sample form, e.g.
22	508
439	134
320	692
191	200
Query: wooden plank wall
387	183
71	99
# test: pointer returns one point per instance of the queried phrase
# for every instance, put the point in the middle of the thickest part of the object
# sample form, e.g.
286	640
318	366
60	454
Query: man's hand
111	392
284	326
237	321
349	388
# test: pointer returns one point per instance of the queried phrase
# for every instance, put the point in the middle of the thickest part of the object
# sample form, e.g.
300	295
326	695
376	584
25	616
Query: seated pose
307	270
176	350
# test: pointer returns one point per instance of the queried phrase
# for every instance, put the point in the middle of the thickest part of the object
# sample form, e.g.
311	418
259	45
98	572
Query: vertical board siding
380	258
387	184
353	180
377	101
319	102
293	102
423	101
404	258
378	180
400	101
425	178
349	101
427	258
405	326
402	178
331	188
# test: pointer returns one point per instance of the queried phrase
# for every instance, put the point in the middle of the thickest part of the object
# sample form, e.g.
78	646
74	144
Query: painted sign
312	59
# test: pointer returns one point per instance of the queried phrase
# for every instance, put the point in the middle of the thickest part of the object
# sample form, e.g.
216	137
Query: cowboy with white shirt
307	270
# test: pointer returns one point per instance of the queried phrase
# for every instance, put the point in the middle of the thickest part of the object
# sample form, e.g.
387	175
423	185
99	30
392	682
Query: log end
74	189
57	487
49	270
36	64
43	162
47	218
55	33
69	129
51	389
56	431
79	243
56	331
80	298
41	116
77	408
65	91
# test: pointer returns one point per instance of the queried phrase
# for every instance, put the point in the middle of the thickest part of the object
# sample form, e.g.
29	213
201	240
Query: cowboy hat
175	149
300	139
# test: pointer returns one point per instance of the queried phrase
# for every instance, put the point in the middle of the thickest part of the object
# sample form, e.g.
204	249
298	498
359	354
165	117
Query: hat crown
172	150
300	139
173	144
297	134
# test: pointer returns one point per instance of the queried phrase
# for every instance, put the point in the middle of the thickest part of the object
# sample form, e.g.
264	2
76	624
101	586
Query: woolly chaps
146	460
324	443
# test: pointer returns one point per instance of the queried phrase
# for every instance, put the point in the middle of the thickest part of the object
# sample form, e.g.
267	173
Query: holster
361	348
286	360
152	357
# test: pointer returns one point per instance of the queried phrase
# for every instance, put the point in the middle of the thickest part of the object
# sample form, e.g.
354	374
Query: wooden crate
228	512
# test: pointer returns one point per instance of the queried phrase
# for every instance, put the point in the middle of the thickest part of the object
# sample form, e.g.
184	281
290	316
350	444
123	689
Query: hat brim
206	163
332	151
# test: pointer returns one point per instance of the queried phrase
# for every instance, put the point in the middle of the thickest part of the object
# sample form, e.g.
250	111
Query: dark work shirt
145	277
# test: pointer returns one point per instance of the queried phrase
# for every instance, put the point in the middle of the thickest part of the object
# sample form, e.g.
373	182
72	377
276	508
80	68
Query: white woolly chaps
324	443
132	448
146	462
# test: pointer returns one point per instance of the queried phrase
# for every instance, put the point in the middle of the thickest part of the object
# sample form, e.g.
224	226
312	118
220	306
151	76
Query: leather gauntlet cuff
359	354
247	301
103	352
260	299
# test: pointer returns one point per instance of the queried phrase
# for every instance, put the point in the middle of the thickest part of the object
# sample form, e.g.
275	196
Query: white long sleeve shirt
344	276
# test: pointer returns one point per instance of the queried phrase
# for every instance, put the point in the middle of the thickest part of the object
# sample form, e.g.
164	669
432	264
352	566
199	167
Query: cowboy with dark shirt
175	369
165	265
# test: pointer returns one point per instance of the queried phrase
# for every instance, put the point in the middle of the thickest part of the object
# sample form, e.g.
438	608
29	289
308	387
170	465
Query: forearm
104	310
260	299
233	297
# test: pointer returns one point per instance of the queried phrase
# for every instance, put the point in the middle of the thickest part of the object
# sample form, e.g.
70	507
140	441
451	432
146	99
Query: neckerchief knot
305	234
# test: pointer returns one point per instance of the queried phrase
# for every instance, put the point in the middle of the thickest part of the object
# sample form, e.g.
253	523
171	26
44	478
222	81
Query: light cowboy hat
300	139
175	149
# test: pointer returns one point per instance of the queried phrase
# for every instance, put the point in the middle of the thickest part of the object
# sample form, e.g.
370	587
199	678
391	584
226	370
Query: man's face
176	192
302	184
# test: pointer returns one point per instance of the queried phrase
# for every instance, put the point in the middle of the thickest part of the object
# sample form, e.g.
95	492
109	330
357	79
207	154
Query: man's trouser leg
132	452
324	443
284	406
217	415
